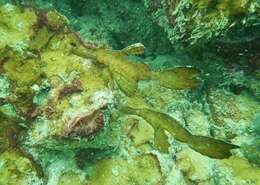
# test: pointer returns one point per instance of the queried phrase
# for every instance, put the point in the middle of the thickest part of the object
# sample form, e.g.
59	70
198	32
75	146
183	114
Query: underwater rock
223	106
195	167
233	113
251	144
241	171
47	83
16	30
139	131
193	22
5	86
104	23
70	178
198	122
139	170
17	169
55	21
202	170
81	121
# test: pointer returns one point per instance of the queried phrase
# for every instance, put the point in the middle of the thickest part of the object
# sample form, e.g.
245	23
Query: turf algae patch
139	170
38	77
16	169
16	26
241	170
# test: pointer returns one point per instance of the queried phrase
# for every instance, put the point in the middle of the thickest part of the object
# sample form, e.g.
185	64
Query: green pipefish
160	122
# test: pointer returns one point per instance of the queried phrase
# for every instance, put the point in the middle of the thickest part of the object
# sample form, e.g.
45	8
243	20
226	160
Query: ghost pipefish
160	122
126	73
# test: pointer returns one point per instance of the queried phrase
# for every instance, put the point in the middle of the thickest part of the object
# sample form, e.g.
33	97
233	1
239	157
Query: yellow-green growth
56	21
16	169
23	73
16	26
139	170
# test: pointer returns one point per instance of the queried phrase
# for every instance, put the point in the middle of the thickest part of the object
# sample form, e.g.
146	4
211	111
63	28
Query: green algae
140	170
20	24
8	110
23	73
19	168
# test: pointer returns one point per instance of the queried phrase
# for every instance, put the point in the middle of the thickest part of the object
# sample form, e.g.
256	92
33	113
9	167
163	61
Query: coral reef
191	21
64	101
74	112
17	169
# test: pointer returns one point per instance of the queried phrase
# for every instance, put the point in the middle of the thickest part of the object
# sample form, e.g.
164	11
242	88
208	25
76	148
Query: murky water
129	92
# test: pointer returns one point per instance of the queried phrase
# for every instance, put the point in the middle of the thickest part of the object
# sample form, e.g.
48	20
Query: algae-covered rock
56	21
241	170
5	86
63	92
70	178
234	113
138	170
202	170
196	168
16	27
193	22
17	169
105	23
49	86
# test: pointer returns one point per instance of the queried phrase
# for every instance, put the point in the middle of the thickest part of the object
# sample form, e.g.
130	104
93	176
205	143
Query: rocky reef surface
75	111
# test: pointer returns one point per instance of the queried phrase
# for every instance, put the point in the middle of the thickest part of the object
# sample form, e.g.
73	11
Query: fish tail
211	147
178	78
161	140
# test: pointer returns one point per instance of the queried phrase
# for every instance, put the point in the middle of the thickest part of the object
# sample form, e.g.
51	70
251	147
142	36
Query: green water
130	92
